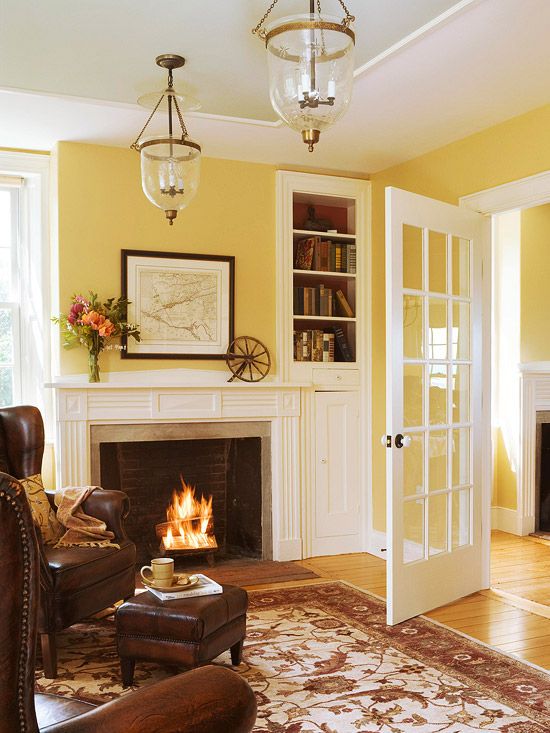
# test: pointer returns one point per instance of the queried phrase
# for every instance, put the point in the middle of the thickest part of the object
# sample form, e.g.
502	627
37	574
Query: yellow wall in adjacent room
535	284
514	149
102	209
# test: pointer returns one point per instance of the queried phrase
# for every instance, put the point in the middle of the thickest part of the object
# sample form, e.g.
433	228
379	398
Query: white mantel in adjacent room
187	396
534	397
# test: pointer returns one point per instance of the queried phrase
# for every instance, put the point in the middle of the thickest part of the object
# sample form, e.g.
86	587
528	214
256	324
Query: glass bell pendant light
310	63
170	164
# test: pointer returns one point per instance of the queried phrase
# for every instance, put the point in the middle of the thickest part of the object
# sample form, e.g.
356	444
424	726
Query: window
10	346
24	282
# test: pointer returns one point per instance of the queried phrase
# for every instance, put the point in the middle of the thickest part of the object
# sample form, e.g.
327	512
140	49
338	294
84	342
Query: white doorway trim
522	194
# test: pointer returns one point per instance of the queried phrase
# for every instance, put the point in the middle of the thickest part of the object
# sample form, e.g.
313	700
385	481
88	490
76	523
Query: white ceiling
427	72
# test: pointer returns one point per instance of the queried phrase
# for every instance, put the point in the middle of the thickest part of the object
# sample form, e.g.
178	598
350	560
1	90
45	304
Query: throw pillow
42	512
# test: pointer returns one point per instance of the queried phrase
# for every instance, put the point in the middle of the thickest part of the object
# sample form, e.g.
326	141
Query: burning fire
189	524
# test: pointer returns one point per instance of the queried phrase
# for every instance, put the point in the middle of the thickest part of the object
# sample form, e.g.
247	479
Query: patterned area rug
321	659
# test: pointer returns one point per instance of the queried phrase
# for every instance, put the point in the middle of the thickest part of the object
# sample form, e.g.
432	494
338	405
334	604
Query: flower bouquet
93	324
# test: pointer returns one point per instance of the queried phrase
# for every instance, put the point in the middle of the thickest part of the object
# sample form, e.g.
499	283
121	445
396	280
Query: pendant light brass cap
311	137
171	215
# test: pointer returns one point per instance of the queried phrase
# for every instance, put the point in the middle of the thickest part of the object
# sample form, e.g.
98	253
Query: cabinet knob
338	377
323	460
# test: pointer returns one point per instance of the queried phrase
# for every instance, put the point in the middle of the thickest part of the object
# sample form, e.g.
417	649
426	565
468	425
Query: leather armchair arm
205	700
112	507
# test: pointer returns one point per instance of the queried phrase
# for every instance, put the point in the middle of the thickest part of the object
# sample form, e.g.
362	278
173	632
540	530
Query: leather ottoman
186	632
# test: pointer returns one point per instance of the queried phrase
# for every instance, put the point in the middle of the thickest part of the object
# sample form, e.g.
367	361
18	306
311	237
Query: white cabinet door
336	505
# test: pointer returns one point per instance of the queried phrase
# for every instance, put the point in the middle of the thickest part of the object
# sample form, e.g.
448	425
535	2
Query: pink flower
74	313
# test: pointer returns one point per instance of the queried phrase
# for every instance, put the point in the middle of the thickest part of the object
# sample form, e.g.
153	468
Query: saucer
176	584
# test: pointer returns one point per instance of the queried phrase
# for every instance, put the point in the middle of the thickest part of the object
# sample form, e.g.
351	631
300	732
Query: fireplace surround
185	403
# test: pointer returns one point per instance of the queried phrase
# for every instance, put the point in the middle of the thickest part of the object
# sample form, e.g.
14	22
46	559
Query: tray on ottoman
186	632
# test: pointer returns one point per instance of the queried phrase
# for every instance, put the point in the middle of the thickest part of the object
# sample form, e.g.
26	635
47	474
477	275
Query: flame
189	521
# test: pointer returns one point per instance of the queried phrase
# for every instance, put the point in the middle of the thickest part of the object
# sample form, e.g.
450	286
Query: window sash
13	305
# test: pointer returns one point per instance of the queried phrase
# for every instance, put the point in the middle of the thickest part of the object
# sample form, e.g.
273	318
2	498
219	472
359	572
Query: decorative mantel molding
534	397
187	396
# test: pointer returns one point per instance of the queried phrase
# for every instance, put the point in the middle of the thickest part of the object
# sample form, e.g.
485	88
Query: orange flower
98	323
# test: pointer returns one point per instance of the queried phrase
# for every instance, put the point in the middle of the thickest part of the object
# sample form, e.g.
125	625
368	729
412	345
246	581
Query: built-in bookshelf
323	343
322	235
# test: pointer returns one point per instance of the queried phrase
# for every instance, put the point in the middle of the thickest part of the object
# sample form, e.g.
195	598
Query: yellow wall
514	149
102	210
535	281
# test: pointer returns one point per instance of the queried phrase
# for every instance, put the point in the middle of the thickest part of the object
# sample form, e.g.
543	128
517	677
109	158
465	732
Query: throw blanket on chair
81	529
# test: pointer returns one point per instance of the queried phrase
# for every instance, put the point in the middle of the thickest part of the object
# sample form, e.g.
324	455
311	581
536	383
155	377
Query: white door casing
437	550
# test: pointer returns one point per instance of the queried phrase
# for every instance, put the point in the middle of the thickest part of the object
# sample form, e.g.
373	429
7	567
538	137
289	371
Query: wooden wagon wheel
248	359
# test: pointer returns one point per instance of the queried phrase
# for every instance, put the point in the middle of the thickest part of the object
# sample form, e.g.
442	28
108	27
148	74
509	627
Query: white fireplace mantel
187	396
534	397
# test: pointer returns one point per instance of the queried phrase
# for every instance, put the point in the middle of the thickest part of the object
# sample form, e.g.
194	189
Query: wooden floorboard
519	565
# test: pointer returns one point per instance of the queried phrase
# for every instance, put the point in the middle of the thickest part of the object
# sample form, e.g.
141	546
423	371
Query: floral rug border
522	686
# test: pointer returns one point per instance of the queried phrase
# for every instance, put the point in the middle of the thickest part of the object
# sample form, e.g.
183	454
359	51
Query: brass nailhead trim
25	621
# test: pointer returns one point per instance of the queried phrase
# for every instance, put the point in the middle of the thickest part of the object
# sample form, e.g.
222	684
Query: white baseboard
288	550
507	520
377	544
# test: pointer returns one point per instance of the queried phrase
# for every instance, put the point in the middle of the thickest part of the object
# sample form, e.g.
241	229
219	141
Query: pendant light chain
349	19
261	32
258	29
134	145
184	132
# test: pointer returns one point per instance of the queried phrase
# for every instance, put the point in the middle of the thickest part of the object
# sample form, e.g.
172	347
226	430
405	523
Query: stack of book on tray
204	587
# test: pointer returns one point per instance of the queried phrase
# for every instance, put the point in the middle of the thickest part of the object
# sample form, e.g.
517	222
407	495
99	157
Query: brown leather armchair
205	700
75	582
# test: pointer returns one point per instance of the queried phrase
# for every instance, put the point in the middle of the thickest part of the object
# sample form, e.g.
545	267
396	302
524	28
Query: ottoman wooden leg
127	667
237	653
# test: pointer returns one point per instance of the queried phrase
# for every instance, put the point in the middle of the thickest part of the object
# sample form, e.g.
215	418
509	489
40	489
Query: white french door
437	551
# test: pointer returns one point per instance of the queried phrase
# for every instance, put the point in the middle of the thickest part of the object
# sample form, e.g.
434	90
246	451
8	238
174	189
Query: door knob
402	441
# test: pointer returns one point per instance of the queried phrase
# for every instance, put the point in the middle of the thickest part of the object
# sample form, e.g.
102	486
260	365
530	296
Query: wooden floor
504	621
521	566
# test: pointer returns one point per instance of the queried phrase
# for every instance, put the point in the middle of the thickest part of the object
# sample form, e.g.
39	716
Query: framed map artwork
183	304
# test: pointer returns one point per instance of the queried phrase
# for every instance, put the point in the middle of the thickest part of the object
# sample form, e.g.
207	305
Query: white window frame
13	184
33	273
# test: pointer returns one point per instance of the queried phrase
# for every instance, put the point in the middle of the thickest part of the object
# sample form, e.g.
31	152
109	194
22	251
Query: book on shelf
352	259
344	259
308	301
343	304
313	345
328	347
205	587
306	342
304	253
323	255
316	345
343	346
325	301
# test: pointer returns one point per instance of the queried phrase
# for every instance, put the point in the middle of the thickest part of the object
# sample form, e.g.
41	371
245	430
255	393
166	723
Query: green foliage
94	324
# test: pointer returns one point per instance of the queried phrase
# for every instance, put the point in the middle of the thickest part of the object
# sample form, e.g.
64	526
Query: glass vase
93	366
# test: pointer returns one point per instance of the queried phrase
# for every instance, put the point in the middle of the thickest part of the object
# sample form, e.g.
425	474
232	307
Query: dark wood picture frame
212	271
